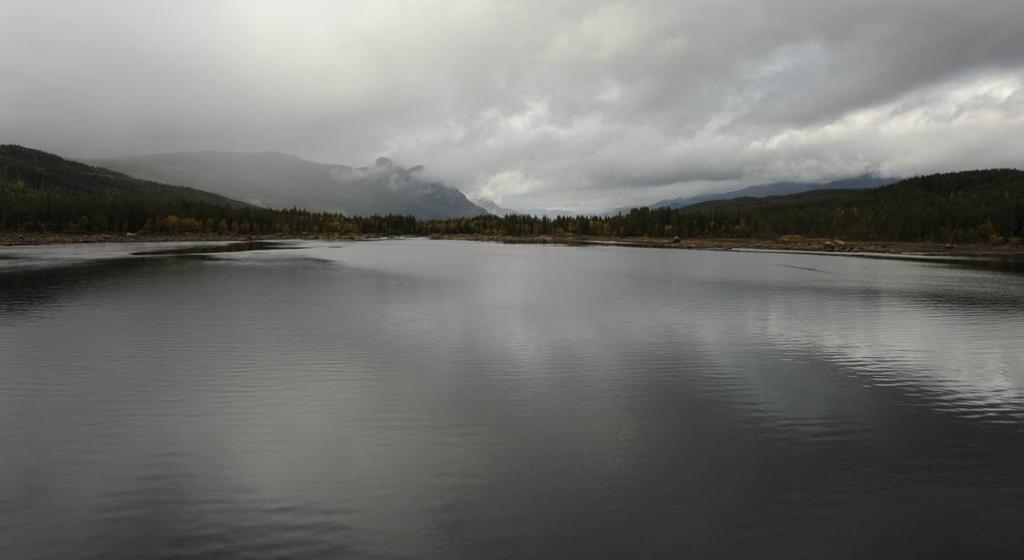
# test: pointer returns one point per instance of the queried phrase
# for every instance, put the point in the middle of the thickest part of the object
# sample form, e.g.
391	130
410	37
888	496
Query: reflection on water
447	399
240	247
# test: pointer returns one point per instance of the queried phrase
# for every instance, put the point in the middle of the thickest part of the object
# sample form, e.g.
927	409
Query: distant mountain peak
277	180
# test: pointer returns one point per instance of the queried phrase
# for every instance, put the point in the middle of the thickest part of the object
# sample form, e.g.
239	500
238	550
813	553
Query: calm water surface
416	398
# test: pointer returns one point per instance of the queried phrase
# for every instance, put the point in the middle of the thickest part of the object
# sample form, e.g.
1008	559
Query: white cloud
558	103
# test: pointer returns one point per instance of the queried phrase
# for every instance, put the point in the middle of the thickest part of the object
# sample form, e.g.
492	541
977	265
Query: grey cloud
573	104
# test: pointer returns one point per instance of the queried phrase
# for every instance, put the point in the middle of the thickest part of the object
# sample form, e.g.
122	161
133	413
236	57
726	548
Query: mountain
45	173
984	206
45	193
276	180
771	189
968	206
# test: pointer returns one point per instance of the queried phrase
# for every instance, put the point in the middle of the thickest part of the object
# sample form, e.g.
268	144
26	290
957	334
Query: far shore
786	243
10	239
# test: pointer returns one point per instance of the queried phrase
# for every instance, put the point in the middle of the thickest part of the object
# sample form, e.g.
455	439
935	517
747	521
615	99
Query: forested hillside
778	189
969	206
40	192
275	180
965	207
50	174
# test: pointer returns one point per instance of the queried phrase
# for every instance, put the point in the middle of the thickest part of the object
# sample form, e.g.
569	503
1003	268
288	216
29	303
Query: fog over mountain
577	104
275	180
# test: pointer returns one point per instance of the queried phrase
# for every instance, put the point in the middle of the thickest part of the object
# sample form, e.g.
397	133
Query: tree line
27	210
972	206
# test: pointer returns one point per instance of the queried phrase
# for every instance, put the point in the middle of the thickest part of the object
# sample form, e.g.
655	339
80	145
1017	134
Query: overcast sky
558	104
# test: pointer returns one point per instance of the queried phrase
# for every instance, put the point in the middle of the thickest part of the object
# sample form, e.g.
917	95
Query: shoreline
792	244
28	239
784	244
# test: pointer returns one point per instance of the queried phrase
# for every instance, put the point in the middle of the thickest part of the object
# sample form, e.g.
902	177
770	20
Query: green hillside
42	192
970	206
47	173
276	180
962	206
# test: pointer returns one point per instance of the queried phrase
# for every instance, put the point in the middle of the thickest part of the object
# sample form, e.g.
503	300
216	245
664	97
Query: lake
446	399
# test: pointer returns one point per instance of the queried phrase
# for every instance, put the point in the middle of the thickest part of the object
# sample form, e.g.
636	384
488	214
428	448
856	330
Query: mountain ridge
55	174
279	180
778	188
42	192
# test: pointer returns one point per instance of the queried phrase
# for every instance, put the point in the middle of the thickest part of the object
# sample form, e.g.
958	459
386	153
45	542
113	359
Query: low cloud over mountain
276	180
581	104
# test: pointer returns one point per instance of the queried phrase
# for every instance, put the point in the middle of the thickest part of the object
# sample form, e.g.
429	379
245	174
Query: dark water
470	400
